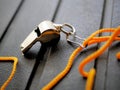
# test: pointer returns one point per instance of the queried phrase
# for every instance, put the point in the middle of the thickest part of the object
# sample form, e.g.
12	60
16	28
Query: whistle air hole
38	32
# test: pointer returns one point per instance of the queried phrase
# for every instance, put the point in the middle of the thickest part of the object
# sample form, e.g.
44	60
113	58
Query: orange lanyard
92	39
15	61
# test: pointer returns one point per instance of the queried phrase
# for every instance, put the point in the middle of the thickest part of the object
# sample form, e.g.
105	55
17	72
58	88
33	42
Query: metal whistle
46	32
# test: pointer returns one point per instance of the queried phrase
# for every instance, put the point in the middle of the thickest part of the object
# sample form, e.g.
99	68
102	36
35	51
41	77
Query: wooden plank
86	17
31	13
113	74
101	65
107	77
8	9
39	66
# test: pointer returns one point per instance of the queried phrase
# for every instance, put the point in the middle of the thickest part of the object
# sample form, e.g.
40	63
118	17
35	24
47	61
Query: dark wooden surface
19	17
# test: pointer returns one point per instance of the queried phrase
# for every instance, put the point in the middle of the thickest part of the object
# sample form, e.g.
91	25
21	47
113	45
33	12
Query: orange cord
15	60
118	55
64	72
98	52
90	40
90	79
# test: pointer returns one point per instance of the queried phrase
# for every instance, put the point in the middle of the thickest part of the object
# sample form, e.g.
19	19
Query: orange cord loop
92	39
99	51
15	60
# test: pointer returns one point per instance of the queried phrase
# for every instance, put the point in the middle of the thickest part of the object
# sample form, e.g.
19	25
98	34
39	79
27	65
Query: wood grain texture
108	76
86	17
101	63
7	12
30	15
113	74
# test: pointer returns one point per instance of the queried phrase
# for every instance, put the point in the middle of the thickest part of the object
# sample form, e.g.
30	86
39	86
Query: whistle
46	33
